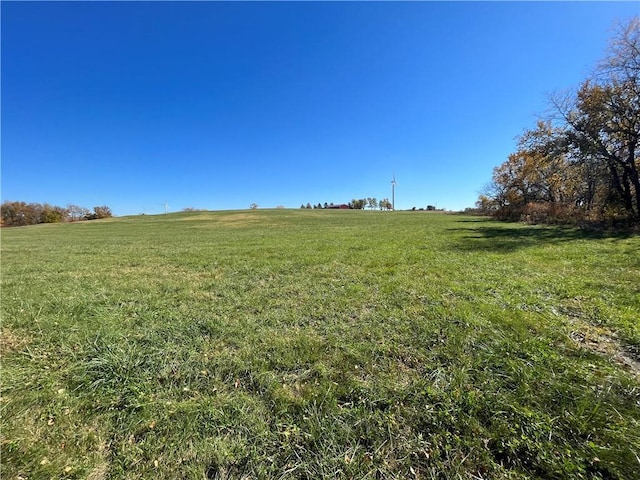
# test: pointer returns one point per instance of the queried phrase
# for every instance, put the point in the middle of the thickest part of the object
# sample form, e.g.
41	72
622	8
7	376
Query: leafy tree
21	213
603	118
585	165
77	213
358	204
18	214
102	212
52	214
385	204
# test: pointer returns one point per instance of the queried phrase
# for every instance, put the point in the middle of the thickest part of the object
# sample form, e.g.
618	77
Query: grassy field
319	344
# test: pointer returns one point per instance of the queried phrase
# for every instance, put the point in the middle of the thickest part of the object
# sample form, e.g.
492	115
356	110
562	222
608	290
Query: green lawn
319	344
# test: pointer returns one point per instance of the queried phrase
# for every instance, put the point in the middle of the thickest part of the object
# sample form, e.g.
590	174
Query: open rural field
304	344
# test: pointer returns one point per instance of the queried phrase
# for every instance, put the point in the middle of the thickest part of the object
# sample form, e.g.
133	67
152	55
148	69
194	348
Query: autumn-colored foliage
582	163
16	214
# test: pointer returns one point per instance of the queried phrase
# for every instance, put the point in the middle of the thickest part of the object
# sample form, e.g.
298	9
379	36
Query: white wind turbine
166	207
393	192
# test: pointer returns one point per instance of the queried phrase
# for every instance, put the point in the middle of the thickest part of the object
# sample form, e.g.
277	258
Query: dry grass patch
11	341
240	219
603	342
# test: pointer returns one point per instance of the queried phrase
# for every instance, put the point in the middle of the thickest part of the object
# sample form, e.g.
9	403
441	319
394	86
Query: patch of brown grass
603	342
239	219
11	341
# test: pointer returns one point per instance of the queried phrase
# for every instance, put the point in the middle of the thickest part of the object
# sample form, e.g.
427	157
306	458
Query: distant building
342	206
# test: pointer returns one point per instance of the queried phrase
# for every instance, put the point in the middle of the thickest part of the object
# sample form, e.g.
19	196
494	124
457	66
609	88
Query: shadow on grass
487	235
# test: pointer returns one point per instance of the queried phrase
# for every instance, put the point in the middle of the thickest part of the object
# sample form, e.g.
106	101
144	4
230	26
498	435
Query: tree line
580	162
16	214
357	204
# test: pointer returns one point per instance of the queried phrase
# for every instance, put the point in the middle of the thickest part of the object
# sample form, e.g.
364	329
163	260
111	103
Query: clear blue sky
218	105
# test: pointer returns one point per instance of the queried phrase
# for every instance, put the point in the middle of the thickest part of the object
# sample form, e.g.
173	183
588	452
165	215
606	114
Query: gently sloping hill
230	218
328	345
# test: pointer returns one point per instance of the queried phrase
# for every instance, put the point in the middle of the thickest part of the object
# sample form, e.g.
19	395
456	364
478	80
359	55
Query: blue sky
217	105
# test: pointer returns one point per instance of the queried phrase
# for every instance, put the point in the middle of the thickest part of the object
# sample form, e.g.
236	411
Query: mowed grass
319	344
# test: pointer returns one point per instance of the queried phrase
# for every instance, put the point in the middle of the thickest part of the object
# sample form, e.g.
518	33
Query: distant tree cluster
581	162
356	204
430	208
16	214
318	206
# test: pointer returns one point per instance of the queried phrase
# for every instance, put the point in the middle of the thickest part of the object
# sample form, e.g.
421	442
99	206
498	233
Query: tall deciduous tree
102	212
53	214
385	204
77	213
358	204
587	164
603	119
